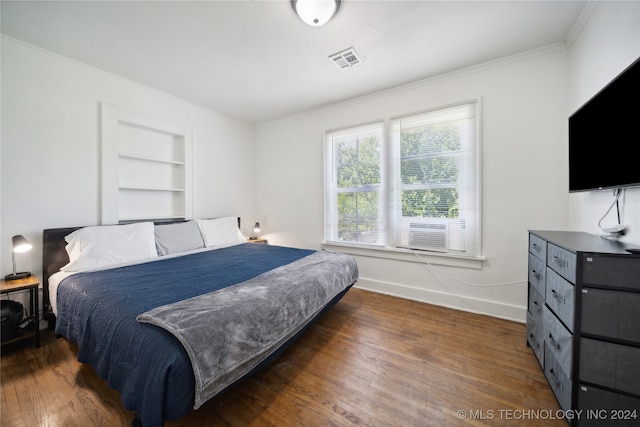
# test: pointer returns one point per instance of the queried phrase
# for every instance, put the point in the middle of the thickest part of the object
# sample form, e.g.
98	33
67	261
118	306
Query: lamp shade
20	244
315	12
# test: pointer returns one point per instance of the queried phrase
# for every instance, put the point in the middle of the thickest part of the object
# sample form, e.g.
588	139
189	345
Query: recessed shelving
146	168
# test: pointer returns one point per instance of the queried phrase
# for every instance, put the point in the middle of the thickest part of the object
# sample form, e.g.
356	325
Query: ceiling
256	60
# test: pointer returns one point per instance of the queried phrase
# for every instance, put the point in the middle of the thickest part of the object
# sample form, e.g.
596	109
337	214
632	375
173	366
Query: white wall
524	104
50	149
608	43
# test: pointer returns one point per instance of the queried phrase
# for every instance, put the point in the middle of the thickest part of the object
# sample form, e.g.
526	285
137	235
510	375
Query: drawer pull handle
556	379
536	247
555	344
557	296
559	261
536	274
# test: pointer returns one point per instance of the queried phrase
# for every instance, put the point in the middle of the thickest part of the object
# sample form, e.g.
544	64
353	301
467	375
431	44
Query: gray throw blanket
229	332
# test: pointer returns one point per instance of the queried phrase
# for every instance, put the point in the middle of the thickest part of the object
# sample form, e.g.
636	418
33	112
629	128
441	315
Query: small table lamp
20	244
256	229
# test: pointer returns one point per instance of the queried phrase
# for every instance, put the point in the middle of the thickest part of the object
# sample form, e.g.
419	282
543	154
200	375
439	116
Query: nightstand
258	240
30	284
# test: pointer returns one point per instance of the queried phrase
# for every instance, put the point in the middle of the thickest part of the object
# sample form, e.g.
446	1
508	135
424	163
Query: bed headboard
54	256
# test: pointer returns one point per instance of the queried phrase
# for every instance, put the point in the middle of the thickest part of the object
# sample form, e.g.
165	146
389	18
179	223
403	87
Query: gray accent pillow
178	237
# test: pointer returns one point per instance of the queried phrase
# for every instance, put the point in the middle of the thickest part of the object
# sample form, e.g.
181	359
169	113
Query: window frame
468	201
331	215
390	178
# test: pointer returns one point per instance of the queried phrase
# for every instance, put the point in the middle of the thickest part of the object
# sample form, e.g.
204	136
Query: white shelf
177	190
150	159
159	218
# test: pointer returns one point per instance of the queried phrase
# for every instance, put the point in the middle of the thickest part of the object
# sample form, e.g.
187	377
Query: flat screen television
604	136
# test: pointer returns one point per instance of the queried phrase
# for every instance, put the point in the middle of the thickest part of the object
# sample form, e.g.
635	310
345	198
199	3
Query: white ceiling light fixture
315	12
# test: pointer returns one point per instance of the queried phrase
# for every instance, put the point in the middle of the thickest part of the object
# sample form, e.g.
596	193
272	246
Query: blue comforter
147	364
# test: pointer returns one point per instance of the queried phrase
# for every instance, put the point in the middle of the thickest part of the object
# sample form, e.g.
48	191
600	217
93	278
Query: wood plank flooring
372	360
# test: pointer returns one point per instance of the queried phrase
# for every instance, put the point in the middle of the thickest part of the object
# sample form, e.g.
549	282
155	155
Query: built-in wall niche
146	168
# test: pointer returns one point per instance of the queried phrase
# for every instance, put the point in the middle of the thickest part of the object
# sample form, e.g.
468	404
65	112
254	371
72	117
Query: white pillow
221	232
102	246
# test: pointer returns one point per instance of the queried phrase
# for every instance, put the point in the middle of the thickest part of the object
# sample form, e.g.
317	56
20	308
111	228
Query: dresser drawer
557	340
606	408
536	302
611	365
611	314
562	262
538	247
622	272
558	380
560	297
537	270
535	337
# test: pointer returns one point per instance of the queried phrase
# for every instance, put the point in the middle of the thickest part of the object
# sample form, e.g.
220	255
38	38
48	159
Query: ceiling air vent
346	58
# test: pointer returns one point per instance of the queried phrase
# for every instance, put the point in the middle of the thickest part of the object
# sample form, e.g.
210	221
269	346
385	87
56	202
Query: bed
171	315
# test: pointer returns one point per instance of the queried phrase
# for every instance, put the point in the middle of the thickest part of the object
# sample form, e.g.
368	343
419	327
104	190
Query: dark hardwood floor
372	360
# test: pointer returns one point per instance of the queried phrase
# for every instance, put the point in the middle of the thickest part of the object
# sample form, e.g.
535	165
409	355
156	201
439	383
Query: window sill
407	255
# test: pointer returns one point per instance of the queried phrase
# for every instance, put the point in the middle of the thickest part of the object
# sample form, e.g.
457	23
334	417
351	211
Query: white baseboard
458	302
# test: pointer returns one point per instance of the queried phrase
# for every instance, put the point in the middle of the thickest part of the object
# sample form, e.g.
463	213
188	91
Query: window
417	189
354	203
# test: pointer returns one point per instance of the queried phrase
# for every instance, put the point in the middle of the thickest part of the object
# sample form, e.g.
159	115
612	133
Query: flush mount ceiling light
315	12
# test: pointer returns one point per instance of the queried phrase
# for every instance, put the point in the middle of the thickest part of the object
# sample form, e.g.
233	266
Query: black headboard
54	257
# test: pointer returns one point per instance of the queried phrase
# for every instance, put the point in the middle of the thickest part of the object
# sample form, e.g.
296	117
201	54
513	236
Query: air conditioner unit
428	235
444	235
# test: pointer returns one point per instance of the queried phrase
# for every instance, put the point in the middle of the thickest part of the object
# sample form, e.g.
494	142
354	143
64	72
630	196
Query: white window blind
436	180
353	199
